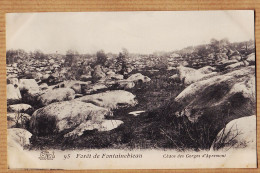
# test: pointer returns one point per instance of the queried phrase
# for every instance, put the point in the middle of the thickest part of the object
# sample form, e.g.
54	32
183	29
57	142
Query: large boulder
251	59
29	89
28	85
227	62
13	94
43	86
114	76
13	81
238	64
125	84
221	56
77	86
18	138
111	99
60	116
232	93
98	86
93	88
138	77
104	125
207	70
238	133
37	76
20	120
236	57
175	77
189	75
45	77
85	78
20	108
56	95
52	79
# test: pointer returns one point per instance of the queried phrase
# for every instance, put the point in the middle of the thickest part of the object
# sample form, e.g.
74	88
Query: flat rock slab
136	113
104	125
56	95
111	99
19	108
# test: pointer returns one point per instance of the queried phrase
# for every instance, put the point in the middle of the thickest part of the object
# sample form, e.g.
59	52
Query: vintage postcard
131	90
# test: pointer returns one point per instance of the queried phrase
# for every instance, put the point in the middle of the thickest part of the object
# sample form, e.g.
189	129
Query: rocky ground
181	108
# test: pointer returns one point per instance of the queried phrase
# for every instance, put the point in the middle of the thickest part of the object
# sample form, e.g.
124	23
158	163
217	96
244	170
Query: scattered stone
138	77
174	77
136	113
44	86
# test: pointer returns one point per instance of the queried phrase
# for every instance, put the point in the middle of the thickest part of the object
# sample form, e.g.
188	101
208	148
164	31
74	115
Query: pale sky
139	32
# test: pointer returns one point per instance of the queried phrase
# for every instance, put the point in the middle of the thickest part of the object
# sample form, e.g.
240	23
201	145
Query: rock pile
64	107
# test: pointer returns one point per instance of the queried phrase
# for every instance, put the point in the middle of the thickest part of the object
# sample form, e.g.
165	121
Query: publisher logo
46	155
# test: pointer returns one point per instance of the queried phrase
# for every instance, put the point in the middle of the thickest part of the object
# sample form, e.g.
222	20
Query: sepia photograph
131	90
